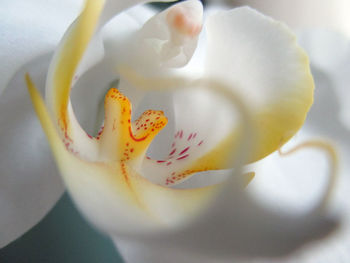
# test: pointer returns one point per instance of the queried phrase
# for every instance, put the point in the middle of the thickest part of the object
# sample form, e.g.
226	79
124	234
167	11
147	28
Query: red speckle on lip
172	152
189	137
185	150
183	157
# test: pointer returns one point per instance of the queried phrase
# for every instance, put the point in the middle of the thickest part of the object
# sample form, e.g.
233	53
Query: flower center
120	138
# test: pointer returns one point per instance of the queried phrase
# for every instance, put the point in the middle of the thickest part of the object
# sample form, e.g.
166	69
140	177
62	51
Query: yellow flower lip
123	139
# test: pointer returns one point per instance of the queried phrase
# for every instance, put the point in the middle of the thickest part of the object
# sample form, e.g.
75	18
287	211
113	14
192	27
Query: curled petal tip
329	149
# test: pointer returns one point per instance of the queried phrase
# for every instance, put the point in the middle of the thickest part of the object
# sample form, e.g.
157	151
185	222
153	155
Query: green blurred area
62	236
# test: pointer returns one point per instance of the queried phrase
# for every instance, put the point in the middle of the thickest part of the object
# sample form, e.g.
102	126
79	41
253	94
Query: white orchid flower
127	193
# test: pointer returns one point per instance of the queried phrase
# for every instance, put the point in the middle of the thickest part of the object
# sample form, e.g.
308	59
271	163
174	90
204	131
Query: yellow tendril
329	149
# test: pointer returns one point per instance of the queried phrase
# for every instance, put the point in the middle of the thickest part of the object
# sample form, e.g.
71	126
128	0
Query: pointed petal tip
33	92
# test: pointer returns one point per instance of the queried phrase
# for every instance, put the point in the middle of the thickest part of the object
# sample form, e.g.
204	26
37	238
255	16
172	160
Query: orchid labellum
131	190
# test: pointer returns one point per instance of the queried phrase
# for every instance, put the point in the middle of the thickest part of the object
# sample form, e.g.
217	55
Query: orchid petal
94	74
113	8
184	165
110	44
22	41
287	242
135	203
139	208
64	66
157	47
265	65
239	226
26	204
151	212
111	41
202	119
299	14
254	233
29	182
117	40
27	194
166	40
132	20
281	91
330	55
61	73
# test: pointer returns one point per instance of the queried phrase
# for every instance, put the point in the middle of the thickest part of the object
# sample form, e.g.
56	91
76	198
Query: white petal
250	50
237	225
325	116
108	46
29	182
163	101
22	41
113	8
297	181
193	220
323	120
300	14
328	50
60	76
183	162
330	56
119	27
115	36
95	75
269	70
121	23
65	64
202	120
261	60
115	187
163	42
